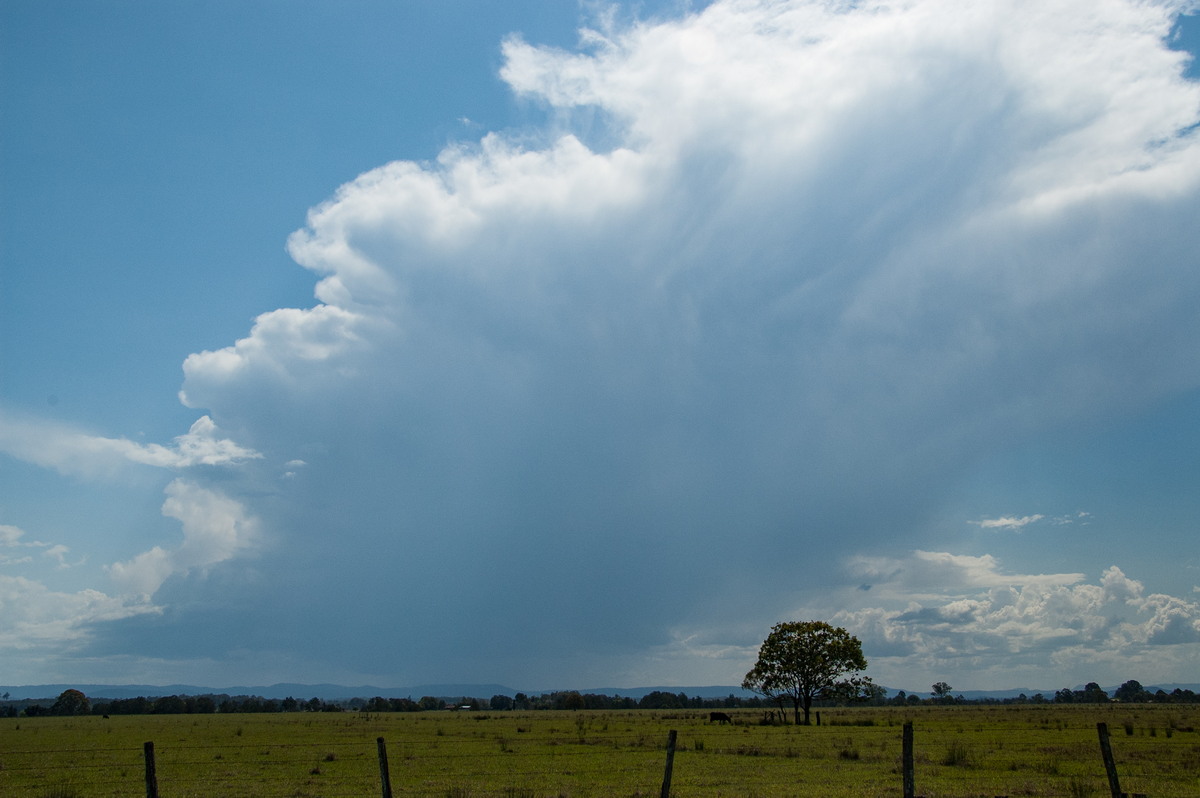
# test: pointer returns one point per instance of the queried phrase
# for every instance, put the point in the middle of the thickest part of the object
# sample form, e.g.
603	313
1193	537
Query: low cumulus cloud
769	276
938	613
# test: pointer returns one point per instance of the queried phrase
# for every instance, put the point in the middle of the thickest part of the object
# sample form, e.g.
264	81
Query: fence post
1110	767
384	777
151	776
666	785
910	782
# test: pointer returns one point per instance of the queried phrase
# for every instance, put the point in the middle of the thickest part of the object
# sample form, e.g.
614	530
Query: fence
577	755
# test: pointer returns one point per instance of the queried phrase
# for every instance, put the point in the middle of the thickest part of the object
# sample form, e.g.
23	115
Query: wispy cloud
73	452
1008	522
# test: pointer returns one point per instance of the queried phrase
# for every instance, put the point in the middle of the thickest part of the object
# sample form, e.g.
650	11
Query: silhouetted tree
805	661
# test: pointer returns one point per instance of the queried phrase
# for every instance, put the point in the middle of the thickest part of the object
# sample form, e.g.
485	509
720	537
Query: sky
575	344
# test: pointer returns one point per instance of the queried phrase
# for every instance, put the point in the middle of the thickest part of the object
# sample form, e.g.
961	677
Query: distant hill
338	692
326	692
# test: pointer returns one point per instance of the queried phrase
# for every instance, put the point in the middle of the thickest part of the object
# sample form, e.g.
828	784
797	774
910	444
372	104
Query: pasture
959	751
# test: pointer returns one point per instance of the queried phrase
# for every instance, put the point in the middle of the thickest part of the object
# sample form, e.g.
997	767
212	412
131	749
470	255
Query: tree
805	661
1132	692
941	693
71	702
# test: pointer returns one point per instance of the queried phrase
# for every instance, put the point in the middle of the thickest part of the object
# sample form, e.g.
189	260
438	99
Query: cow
719	717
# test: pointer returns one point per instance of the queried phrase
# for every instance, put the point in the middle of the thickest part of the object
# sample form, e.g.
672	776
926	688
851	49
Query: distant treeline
1129	693
74	702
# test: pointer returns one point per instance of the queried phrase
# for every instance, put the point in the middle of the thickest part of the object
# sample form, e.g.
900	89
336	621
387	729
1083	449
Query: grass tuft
59	791
1080	788
957	755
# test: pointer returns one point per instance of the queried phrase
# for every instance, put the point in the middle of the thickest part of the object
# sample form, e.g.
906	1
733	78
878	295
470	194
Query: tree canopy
71	702
806	661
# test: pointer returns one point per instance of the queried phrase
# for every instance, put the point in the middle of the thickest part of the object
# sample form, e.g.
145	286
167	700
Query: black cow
719	717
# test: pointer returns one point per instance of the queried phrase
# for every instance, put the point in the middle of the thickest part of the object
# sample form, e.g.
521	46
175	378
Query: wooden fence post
910	782
151	776
384	777
1110	767
666	785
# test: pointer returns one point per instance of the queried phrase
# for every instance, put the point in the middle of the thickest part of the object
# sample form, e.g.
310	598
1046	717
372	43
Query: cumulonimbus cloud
768	276
804	251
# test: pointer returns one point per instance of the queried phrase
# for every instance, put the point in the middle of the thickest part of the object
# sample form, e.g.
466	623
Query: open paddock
959	751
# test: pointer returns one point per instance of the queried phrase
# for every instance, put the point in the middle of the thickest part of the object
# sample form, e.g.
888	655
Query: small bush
849	754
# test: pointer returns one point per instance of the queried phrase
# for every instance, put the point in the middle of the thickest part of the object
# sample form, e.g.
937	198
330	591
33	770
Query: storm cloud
603	400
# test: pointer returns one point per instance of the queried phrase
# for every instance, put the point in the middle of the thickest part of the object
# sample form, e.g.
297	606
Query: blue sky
561	344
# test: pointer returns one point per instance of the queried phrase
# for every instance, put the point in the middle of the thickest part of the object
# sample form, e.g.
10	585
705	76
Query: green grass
959	751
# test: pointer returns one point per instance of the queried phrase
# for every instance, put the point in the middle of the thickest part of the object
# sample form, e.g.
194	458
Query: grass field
959	751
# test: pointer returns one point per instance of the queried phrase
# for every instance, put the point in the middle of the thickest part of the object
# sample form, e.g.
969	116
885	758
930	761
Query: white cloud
72	452
216	528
